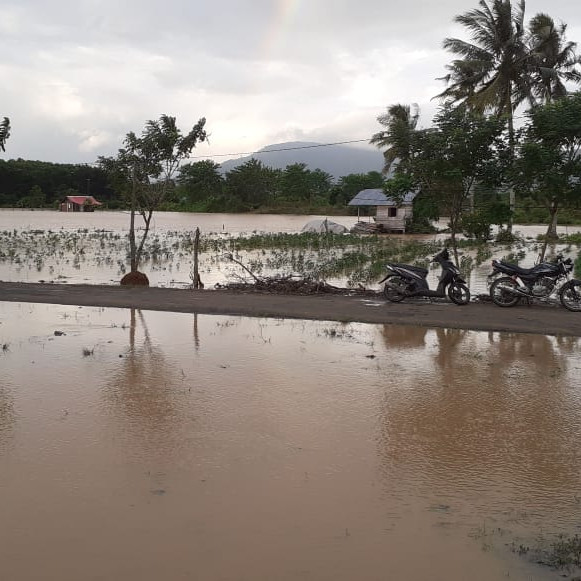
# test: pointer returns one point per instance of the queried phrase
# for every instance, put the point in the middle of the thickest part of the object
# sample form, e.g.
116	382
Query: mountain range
336	160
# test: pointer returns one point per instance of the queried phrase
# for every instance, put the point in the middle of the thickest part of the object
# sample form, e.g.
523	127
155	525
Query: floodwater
145	446
93	260
164	221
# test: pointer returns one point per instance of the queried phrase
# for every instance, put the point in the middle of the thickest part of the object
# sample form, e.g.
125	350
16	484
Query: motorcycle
404	281
539	282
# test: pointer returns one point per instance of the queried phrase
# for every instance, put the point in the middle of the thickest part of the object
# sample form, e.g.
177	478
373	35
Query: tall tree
4	132
298	183
549	162
252	184
553	60
400	122
505	65
447	160
490	73
350	185
201	180
144	169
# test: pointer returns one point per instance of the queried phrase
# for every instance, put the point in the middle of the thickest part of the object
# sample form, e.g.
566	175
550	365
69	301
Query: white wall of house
393	218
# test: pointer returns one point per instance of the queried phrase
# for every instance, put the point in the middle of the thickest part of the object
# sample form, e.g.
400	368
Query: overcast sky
77	75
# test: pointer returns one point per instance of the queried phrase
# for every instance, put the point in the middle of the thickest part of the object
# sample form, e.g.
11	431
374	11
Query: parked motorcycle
539	282
404	280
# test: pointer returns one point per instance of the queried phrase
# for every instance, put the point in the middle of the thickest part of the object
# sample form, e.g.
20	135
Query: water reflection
6	413
371	452
493	417
404	336
196	332
146	393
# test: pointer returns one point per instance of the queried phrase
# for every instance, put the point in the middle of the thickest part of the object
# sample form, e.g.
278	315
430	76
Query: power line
280	149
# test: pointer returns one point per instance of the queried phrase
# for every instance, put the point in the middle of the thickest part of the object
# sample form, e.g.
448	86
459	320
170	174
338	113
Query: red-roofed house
79	204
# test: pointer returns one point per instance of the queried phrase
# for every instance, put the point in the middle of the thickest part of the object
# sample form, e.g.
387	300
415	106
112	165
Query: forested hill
336	160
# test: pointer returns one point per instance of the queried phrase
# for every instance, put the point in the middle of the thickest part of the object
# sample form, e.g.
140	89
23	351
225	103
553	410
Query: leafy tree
294	183
144	170
461	149
201	181
35	198
250	185
549	163
400	122
298	183
4	132
320	184
350	185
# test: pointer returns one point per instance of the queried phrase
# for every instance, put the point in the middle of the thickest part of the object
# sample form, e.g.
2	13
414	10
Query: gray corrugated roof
377	197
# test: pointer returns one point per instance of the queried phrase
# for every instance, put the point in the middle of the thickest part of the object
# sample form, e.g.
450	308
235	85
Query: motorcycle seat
417	269
545	268
515	268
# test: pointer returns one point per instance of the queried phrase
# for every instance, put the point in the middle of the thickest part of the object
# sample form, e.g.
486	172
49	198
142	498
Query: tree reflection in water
407	336
147	394
483	415
7	418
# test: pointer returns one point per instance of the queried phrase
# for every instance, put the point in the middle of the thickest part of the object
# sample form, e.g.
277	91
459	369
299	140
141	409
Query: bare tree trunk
551	234
132	246
552	228
197	282
511	193
453	228
471	197
147	219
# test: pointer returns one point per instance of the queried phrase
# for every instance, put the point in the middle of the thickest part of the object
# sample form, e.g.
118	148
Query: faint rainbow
277	31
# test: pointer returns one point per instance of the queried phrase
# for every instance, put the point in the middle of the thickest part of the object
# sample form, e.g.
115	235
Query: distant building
79	204
390	215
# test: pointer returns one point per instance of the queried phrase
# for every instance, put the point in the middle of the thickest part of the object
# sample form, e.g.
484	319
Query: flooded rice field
91	248
145	445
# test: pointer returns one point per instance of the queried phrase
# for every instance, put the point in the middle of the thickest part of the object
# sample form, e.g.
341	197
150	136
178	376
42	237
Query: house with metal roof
79	204
390	215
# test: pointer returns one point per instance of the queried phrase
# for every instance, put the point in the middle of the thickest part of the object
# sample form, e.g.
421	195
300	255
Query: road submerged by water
479	316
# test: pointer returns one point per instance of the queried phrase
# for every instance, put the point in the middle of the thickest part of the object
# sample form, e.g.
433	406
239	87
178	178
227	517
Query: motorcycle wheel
570	295
459	293
502	297
393	294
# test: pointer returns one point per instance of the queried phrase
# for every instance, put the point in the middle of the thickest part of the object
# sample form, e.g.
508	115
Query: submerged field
99	256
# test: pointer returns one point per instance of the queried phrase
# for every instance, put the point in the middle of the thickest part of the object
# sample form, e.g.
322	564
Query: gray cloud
79	74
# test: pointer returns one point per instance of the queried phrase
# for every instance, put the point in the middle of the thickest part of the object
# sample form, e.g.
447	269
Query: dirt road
540	319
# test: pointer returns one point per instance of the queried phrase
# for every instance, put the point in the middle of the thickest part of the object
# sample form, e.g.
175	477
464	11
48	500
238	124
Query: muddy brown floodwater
142	446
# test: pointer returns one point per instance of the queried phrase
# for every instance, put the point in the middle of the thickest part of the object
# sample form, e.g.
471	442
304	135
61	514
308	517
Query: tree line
199	186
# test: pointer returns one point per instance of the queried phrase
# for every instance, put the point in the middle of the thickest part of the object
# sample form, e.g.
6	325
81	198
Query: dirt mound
135	279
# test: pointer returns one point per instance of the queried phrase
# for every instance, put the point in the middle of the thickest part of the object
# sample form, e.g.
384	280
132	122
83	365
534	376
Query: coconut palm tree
553	61
400	122
492	72
491	75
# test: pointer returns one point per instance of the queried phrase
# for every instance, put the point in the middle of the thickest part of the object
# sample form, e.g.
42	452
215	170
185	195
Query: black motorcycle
538	282
404	281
